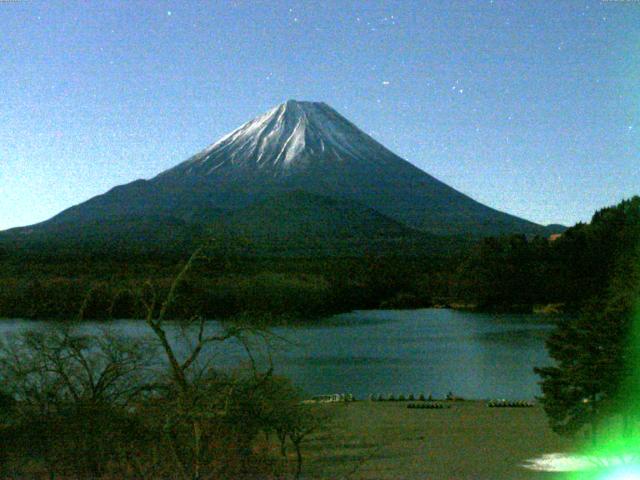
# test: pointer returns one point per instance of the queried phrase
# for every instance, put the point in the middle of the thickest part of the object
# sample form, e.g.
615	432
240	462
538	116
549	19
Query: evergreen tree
596	352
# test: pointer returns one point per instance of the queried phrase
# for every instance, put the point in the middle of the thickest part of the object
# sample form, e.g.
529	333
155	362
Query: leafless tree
71	393
184	377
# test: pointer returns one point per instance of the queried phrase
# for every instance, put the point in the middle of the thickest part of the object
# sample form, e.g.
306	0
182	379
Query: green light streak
616	453
624	473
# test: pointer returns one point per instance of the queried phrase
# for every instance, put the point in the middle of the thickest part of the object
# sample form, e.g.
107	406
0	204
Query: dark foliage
597	351
503	273
516	272
221	286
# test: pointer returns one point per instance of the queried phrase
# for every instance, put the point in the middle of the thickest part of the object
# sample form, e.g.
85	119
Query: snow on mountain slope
286	138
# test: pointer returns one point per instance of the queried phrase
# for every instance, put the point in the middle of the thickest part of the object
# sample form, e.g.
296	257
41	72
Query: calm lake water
392	352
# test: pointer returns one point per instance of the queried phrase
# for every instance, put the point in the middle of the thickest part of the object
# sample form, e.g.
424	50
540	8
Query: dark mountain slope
302	223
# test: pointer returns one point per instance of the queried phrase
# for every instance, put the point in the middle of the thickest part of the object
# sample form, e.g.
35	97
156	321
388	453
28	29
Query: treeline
509	273
218	286
594	384
516	272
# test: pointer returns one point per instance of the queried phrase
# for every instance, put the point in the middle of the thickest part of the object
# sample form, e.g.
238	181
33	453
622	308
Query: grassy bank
385	440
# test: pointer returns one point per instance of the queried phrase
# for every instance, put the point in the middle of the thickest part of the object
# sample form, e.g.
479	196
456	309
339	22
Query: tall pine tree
597	369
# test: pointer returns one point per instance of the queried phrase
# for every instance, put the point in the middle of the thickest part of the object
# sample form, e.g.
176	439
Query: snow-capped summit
293	134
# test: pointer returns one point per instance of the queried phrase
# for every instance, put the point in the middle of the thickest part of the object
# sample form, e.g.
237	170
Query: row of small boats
510	404
429	405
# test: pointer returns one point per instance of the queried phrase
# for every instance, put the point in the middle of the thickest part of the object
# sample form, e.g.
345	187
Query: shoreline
293	320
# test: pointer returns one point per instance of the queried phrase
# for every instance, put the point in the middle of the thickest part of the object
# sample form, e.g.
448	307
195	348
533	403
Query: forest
594	382
506	273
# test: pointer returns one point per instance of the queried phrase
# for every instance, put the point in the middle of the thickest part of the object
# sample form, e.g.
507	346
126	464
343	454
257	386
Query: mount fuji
301	169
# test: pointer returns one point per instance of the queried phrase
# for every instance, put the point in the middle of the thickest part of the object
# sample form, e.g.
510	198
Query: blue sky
529	107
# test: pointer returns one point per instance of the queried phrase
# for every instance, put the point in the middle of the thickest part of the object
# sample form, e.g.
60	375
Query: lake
429	351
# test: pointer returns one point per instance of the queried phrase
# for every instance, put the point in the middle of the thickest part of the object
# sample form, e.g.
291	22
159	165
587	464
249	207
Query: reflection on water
428	351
